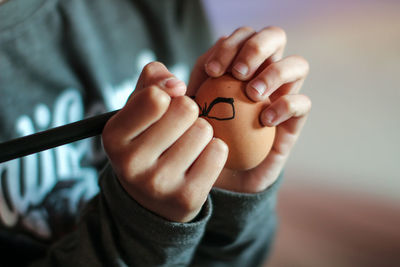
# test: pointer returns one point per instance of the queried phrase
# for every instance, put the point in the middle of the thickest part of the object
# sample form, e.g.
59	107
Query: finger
201	177
142	110
206	169
269	43
296	109
181	114
221	59
181	155
288	70
199	75
284	108
155	73
287	89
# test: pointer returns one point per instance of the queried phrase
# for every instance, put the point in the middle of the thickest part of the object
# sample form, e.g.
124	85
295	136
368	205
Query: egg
236	120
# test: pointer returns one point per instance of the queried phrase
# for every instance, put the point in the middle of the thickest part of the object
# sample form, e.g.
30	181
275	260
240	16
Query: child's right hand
165	157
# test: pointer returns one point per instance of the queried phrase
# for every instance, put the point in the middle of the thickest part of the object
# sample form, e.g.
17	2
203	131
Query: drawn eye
221	108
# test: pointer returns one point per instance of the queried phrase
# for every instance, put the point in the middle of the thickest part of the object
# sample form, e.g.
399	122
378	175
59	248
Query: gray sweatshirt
62	61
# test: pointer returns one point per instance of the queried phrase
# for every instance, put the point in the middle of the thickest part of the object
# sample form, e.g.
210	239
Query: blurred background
340	201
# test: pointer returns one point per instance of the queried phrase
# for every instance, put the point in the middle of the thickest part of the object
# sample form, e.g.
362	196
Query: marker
54	137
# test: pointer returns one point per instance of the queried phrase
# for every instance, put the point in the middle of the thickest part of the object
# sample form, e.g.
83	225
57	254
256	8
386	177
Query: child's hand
163	154
257	57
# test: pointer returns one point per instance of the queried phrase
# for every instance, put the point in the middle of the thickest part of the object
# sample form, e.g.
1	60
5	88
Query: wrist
244	181
130	213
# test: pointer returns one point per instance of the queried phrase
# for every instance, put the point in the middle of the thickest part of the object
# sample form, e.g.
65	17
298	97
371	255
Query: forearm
117	231
241	230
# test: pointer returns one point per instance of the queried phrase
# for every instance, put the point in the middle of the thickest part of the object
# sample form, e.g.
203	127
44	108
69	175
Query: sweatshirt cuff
138	221
242	207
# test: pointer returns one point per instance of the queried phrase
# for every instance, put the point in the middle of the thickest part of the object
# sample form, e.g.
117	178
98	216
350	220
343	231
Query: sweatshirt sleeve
241	229
116	231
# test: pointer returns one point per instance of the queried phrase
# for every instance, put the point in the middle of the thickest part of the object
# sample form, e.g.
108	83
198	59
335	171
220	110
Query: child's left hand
257	57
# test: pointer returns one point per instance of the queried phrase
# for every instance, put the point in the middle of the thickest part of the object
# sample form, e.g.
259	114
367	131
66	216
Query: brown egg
236	120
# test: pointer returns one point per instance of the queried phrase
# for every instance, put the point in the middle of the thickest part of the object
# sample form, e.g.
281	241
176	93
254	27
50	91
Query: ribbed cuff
140	221
239	208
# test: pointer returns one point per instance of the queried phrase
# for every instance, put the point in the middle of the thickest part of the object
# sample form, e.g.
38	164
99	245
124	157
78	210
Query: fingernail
214	67
269	116
259	86
241	68
173	82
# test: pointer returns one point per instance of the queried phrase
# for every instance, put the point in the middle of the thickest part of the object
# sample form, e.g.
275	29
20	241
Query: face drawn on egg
235	119
221	108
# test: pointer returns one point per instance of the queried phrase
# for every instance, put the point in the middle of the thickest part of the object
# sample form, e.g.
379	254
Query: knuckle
254	47
231	43
288	105
305	63
307	102
279	31
133	159
200	60
277	71
205	128
150	68
153	185
217	45
121	167
220	39
245	29
157	98
301	60
187	106
220	147
125	162
109	139
186	200
226	45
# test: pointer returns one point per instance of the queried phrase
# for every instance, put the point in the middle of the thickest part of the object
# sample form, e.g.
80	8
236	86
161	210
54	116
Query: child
165	197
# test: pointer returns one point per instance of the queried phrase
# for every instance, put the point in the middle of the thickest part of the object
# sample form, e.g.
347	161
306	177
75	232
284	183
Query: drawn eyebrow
206	110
